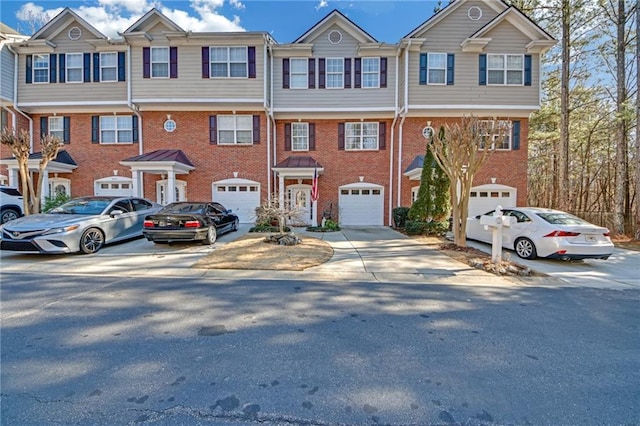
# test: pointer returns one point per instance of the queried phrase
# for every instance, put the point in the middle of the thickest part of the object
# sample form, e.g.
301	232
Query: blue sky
385	20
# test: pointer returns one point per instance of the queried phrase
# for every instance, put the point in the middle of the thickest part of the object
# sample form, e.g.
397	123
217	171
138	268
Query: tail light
607	234
148	224
191	224
562	234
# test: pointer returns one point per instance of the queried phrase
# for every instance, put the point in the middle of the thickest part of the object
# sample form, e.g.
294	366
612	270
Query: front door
161	191
299	198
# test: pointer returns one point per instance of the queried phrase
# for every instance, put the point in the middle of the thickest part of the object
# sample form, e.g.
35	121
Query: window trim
67	67
235	130
35	68
361	135
293	74
59	132
505	69
364	73
116	130
152	62
102	67
229	62
431	67
333	73
484	124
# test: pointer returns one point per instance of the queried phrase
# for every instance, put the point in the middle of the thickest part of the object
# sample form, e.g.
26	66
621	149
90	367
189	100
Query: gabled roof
497	5
336	17
142	24
63	157
417	163
5	29
58	23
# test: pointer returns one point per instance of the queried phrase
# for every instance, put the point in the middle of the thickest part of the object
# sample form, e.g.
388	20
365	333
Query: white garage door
240	195
485	198
361	204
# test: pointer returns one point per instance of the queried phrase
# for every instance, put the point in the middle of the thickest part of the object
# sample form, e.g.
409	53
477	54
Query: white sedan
539	232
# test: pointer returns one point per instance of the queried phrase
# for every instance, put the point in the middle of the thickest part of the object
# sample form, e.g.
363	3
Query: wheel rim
236	223
211	234
524	248
6	217
92	241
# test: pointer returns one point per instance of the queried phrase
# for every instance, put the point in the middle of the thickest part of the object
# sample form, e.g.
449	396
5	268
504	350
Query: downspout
15	99
403	113
393	128
267	107
275	130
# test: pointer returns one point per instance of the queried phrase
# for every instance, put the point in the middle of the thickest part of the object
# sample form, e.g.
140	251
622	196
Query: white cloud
113	16
322	4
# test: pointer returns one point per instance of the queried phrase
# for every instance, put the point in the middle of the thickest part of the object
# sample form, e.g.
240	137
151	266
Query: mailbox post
496	223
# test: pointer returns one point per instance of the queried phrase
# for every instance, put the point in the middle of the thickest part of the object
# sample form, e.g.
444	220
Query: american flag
314	185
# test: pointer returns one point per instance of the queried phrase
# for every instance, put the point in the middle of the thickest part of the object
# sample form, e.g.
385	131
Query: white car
539	232
10	204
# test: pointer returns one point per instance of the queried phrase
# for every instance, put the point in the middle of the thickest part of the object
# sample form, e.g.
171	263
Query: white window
116	129
159	62
74	64
300	136
436	68
229	62
370	72
335	73
298	69
361	136
235	129
56	127
109	66
498	132
41	68
505	69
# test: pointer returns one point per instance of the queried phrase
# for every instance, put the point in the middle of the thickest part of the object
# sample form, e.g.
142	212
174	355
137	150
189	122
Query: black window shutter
251	51
173	62
66	130
347	73
95	129
383	72
527	70
482	70
122	67
382	135
423	68
285	73
515	135
134	129
287	137
205	62
357	73
450	68
256	129
321	73
312	73
86	67
53	70
213	132
96	67
44	126
341	136
146	62
29	69
312	137
62	77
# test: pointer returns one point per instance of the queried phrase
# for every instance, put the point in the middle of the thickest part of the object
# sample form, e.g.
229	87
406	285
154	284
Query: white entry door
299	197
161	191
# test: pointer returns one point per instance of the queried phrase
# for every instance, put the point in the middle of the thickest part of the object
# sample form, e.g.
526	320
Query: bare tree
461	149
279	209
21	149
637	191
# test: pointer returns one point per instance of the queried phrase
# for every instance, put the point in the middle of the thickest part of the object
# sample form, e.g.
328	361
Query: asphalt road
104	350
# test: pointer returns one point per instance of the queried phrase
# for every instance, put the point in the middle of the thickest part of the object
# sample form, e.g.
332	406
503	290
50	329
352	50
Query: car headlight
60	230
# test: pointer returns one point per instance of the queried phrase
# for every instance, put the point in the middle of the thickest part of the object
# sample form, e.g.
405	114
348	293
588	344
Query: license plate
162	223
590	238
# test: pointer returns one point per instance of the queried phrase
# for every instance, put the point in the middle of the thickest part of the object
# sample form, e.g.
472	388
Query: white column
14	177
281	189
45	188
135	183
171	186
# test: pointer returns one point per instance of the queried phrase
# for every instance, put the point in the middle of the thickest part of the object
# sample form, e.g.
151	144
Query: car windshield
562	219
181	208
82	206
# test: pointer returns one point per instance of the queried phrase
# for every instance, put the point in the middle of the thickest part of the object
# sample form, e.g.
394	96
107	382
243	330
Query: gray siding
334	98
6	74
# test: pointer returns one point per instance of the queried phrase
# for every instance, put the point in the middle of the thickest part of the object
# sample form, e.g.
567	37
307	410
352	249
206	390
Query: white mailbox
496	223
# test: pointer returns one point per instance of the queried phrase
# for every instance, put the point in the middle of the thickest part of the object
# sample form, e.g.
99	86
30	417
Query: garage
361	204
484	198
242	196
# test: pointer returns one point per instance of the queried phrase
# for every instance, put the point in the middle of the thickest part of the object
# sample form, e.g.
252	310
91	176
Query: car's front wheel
91	241
236	224
525	248
212	235
8	214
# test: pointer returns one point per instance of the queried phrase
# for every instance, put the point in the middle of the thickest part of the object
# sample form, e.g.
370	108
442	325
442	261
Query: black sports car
189	221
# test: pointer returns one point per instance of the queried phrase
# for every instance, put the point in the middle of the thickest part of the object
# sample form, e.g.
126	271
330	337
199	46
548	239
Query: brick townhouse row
171	114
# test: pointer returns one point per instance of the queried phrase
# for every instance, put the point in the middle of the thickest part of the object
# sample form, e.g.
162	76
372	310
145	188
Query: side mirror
115	213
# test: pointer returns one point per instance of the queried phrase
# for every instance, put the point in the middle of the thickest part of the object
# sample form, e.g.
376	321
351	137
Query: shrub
268	228
400	215
418	227
53	202
329	226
